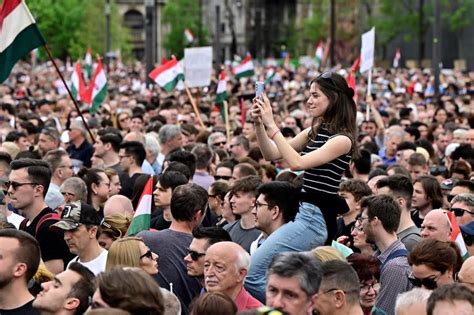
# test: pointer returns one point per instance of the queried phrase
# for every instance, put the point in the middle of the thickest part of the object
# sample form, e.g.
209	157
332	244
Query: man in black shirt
132	154
80	150
27	187
19	260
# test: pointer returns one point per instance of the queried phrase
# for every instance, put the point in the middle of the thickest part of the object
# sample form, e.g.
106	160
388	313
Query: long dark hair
340	116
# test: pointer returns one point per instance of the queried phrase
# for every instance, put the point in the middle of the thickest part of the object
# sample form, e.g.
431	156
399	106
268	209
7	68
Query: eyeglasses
327	76
438	170
428	282
459	212
217	177
357	228
148	254
367	286
360	219
15	185
217	144
195	255
258	204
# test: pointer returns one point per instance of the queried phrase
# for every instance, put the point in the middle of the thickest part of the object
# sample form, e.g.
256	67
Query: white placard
198	66
367	50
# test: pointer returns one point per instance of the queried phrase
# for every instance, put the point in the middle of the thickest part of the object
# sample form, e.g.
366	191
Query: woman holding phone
323	151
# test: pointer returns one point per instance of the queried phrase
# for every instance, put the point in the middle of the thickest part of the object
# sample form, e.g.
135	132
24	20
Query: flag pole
226	118
369	88
69	92
196	110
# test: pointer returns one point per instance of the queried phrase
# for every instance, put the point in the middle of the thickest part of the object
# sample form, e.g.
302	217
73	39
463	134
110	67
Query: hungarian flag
221	93
78	88
269	75
318	55
351	82
168	75
88	64
396	59
141	219
244	69
98	87
356	67
188	35
18	35
286	63
456	235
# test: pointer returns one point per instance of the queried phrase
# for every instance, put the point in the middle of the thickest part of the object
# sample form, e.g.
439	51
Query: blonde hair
326	253
124	252
116	225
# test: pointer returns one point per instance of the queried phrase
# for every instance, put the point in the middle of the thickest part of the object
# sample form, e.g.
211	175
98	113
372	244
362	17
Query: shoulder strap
394	254
48	217
23	224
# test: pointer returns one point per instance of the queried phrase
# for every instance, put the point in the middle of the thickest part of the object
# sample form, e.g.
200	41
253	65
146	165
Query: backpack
48	217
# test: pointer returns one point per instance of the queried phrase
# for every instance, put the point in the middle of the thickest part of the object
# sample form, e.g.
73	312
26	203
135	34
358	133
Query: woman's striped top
327	177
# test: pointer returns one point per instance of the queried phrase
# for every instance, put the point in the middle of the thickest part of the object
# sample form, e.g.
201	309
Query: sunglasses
148	254
217	144
468	239
327	76
459	212
15	185
195	255
429	283
217	177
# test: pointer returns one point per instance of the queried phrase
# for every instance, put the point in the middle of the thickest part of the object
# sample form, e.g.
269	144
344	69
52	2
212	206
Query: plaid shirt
393	278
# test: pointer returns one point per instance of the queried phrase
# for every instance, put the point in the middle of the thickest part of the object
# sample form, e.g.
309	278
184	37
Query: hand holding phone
259	88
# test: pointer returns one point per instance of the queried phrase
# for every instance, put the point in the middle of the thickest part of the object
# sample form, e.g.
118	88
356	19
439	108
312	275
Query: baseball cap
77	213
468	228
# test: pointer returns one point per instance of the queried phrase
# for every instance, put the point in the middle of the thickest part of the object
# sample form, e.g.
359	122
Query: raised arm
268	148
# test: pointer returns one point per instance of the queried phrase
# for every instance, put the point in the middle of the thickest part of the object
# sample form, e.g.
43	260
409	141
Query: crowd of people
311	198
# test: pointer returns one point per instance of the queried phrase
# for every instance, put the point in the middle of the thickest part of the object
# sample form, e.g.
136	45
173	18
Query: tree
71	26
179	15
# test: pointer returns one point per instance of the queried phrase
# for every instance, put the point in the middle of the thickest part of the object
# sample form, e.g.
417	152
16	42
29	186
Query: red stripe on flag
157	71
7	7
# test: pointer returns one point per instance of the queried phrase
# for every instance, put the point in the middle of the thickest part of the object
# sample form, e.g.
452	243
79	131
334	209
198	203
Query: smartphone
259	88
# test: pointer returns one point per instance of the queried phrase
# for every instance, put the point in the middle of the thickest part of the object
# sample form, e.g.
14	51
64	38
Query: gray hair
213	136
78	186
303	266
172	304
152	145
415	296
168	132
466	198
243	259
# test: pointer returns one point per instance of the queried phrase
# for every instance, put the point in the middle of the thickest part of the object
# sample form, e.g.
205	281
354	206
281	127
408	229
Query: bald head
225	268
118	204
436	226
135	136
466	274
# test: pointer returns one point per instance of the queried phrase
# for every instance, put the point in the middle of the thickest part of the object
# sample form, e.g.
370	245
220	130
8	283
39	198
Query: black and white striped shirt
327	177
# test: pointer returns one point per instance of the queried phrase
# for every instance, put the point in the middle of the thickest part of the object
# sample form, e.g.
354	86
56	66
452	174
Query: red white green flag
98	88
318	55
142	217
88	64
456	235
168	75
78	88
396	58
189	35
18	35
244	69
221	93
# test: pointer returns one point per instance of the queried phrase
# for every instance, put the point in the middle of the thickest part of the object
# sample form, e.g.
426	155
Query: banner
198	66
367	50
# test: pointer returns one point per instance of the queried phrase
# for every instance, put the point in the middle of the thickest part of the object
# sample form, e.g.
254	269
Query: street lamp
107	32
149	40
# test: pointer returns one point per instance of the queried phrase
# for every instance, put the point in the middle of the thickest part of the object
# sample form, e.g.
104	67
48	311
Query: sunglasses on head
217	177
195	255
459	212
328	76
429	282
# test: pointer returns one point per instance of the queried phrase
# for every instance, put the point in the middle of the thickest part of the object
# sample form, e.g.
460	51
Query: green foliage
71	26
179	15
457	14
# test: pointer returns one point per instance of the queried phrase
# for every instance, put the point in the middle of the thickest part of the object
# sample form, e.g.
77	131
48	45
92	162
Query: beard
369	236
5	281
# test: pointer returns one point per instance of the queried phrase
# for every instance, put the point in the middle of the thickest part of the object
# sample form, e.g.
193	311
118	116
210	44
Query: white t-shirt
96	265
15	219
